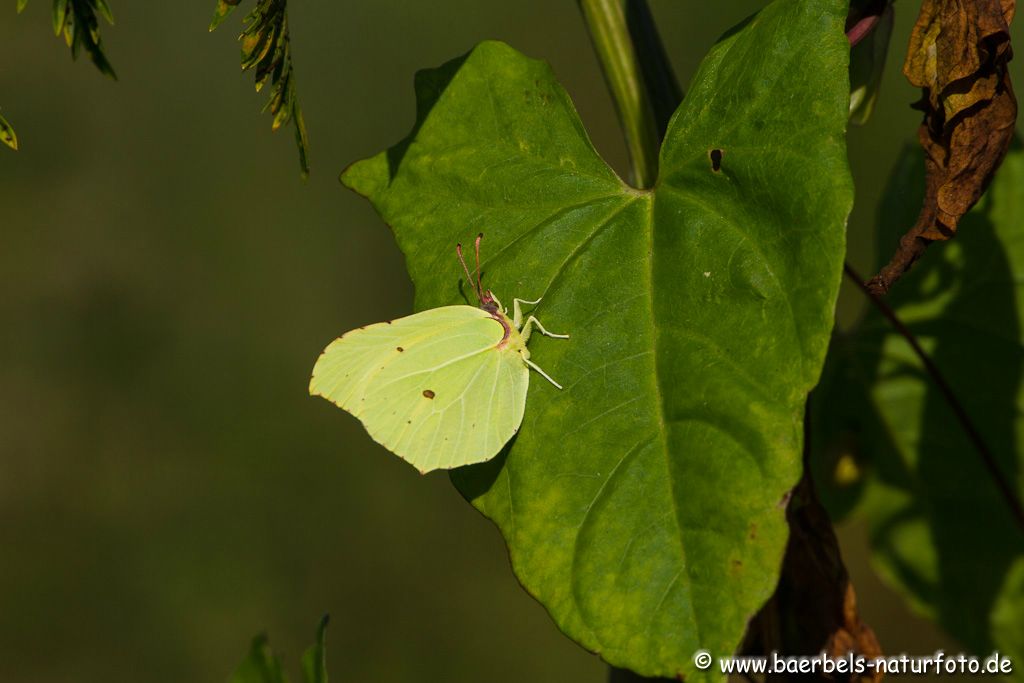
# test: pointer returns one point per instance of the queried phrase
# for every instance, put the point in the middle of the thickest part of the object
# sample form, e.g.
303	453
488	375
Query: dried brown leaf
814	608
958	55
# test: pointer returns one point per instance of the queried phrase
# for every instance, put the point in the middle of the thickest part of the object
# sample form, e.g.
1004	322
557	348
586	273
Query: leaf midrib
663	423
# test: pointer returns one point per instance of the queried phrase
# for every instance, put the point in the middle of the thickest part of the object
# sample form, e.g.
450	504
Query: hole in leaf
716	160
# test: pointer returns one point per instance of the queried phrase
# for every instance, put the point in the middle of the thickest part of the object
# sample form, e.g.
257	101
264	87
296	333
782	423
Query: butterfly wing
433	387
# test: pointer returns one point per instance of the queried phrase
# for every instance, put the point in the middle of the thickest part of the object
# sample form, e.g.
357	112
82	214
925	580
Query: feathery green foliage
7	135
266	47
76	20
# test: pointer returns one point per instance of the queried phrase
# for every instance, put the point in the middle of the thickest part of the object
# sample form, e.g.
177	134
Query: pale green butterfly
442	388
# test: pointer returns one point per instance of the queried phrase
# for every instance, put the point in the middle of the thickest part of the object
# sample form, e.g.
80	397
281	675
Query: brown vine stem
1008	494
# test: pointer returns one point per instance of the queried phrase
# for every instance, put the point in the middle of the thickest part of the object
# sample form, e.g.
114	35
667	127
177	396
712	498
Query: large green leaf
644	504
940	530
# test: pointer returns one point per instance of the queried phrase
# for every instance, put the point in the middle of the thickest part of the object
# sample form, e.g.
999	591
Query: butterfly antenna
479	286
469	278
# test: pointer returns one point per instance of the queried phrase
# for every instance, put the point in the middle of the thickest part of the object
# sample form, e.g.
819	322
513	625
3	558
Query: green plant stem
639	78
662	87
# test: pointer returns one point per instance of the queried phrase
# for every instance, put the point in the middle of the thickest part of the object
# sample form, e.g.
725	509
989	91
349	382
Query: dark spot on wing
428	393
716	160
400	349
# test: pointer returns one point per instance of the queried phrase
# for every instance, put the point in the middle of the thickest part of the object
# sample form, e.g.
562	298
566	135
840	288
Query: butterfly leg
528	330
517	310
542	373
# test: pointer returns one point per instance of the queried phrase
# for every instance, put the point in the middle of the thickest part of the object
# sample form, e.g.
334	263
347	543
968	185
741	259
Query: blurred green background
167	487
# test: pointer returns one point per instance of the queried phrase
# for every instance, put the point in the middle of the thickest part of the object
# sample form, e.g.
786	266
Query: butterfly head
487	300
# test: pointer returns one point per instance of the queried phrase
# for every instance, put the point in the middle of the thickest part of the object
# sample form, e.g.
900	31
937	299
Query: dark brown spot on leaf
399	349
428	393
716	160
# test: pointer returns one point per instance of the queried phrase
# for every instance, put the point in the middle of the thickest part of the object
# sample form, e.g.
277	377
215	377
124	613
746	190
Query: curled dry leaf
814	608
958	56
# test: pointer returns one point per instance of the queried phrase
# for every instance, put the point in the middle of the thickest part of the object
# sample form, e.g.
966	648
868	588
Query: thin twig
1009	495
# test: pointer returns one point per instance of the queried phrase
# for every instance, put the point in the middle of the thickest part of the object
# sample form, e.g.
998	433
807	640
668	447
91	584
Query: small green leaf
104	9
21	5
301	140
76	21
221	13
314	661
941	532
260	666
256	47
7	135
60	14
643	505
